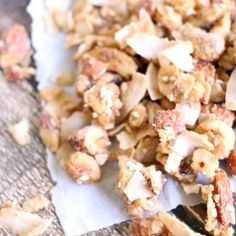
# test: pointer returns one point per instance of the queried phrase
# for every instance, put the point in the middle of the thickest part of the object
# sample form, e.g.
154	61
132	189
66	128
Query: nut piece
220	134
223	198
82	168
93	140
50	138
207	46
138	116
64	78
20	132
148	227
90	66
231	162
169	119
16	72
115	60
15	46
35	204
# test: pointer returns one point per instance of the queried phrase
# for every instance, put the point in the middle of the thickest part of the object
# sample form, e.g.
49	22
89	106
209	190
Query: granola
154	89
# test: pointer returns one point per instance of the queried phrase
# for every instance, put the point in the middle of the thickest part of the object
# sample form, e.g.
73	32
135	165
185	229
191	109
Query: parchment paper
83	208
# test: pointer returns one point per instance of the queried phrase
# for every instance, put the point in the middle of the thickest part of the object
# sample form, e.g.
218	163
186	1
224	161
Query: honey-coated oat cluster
155	90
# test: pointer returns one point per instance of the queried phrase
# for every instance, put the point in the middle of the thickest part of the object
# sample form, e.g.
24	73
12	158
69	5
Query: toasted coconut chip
143	25
136	187
189	112
126	140
35	204
133	94
20	132
22	223
173	162
74	122
230	95
179	54
191	188
188	141
65	78
175	226
152	85
146	45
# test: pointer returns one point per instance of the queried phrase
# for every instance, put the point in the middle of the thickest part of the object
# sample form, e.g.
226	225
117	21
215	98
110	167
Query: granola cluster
15	53
155	90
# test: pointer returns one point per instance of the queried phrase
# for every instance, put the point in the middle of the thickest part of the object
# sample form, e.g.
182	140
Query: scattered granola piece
138	116
93	140
22	223
139	185
82	168
220	134
205	162
20	132
224	199
64	78
206	46
148	226
16	72
115	60
215	111
169	119
231	162
49	93
35	204
16	46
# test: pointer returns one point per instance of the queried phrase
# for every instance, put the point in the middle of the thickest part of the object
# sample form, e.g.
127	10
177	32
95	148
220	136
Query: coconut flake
76	121
143	25
22	223
175	226
126	140
188	141
230	95
179	54
152	85
146	45
20	132
189	112
133	93
137	188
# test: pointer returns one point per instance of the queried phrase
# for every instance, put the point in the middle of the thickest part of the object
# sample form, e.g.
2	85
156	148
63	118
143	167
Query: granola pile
155	90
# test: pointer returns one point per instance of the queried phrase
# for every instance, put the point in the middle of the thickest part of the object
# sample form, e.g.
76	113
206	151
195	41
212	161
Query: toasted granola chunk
139	185
207	46
93	140
82	168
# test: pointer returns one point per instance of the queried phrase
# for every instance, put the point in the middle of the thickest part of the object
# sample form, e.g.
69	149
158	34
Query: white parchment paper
82	208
